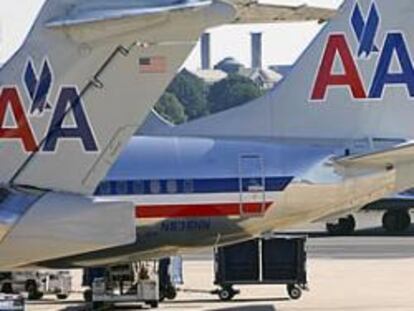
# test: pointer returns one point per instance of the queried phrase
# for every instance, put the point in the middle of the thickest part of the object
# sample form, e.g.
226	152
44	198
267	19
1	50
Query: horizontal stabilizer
249	11
88	15
400	154
70	225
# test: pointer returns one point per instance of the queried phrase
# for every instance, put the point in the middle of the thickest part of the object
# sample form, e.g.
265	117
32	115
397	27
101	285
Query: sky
282	43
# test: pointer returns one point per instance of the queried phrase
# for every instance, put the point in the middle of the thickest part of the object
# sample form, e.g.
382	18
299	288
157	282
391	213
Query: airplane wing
398	201
400	154
398	160
85	79
404	200
252	11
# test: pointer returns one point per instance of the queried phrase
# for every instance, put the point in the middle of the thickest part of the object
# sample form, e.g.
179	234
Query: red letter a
337	45
22	131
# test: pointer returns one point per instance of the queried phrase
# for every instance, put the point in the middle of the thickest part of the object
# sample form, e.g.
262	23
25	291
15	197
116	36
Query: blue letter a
82	131
394	43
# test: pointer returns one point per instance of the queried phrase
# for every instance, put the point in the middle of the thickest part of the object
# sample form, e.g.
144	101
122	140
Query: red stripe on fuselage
198	210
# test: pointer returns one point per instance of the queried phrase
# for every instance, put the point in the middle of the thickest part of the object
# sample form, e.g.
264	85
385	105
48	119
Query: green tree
191	92
170	108
233	91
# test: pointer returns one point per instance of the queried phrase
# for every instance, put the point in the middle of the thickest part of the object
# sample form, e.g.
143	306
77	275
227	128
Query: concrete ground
335	285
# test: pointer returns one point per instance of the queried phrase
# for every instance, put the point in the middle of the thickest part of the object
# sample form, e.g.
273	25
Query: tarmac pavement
335	285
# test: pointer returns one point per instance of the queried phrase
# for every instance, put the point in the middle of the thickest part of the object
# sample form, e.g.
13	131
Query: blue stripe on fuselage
188	186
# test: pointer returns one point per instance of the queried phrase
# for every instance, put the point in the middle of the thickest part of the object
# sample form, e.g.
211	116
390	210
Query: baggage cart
271	260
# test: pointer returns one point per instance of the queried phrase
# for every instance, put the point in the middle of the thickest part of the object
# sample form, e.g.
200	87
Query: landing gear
395	221
344	226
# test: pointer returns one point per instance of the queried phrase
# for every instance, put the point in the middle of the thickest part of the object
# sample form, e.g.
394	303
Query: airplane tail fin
85	79
355	81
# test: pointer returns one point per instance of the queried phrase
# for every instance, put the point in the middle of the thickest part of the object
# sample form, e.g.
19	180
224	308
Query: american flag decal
155	64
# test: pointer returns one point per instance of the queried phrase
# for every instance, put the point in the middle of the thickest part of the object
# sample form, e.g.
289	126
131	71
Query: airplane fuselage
192	193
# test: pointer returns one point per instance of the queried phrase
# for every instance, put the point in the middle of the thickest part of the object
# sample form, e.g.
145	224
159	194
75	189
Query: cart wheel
171	293
32	291
294	292
152	304
7	288
97	305
226	294
62	296
162	297
87	295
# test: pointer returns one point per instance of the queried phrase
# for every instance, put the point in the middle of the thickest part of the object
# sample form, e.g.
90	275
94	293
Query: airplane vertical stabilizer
85	79
355	81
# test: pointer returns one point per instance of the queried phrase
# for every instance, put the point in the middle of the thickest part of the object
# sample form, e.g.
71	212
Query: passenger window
105	188
172	186
138	187
155	186
188	186
122	187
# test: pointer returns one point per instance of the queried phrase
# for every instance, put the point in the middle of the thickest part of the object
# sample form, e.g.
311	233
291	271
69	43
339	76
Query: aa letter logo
18	126
365	27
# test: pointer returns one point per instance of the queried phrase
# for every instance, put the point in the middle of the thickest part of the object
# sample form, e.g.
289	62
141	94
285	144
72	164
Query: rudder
85	79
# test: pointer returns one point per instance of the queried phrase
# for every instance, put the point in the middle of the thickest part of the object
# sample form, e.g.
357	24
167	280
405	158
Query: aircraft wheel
344	226
396	221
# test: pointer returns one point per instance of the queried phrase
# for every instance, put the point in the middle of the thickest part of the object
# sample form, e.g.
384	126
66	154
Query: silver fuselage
192	193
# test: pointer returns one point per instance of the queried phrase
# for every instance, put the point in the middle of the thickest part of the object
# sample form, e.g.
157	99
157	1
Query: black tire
345	226
7	288
98	305
171	293
396	221
88	295
32	290
226	294
152	304
162	296
62	296
294	292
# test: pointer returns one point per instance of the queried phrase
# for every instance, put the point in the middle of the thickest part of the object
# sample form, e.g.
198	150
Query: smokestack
205	51
256	38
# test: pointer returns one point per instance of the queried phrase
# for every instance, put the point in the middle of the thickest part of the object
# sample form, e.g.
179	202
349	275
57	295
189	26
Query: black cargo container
270	260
